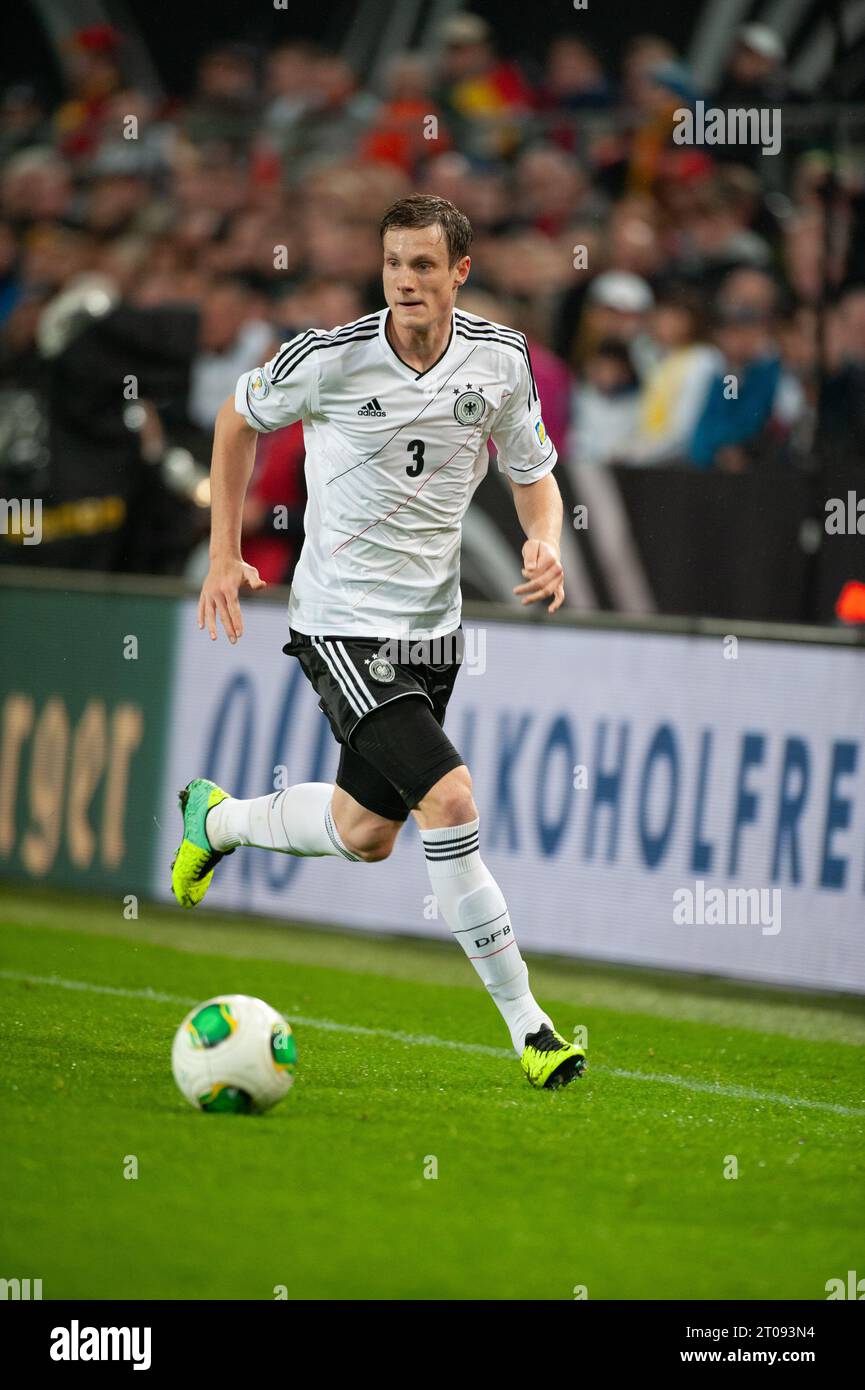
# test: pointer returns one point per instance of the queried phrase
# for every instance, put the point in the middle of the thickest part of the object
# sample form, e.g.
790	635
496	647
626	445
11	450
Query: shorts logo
540	432
381	670
469	407
258	387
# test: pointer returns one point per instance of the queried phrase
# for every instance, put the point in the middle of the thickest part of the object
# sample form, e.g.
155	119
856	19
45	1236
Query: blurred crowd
692	306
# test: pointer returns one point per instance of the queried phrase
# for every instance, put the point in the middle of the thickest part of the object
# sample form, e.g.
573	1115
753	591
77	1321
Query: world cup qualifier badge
469	407
380	669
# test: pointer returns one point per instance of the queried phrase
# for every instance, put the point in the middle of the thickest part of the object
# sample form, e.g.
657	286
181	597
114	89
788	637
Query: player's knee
373	843
449	802
375	853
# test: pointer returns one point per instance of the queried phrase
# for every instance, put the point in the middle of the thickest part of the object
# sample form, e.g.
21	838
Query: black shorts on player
385	702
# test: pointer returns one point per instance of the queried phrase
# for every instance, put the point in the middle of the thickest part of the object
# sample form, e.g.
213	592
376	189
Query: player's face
419	285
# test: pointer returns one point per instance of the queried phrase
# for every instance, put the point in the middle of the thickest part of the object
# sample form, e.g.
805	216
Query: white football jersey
393	456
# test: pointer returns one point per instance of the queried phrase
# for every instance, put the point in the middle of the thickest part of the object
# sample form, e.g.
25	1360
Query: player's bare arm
539	508
230	471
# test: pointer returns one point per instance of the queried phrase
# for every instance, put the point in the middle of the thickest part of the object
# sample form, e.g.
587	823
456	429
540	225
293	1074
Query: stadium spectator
751	401
617	307
408	118
23	121
842	400
288	85
273	508
94	74
574	78
675	386
553	189
605	406
755	74
36	187
717	234
332	122
483	97
233	336
225	107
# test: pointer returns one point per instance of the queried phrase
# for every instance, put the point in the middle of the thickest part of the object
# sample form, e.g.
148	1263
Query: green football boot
193	864
550	1061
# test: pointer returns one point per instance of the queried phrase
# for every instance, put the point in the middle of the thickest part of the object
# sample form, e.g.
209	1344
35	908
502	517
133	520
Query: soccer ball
234	1054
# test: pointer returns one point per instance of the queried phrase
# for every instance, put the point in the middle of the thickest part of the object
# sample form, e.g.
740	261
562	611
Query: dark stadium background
177	34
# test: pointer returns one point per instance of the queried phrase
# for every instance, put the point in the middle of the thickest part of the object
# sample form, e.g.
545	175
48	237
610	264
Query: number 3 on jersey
417	447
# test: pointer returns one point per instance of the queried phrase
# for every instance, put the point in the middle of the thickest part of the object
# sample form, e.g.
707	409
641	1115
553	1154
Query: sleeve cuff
532	473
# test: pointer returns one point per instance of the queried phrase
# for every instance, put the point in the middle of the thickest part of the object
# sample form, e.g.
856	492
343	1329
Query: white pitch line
328	1025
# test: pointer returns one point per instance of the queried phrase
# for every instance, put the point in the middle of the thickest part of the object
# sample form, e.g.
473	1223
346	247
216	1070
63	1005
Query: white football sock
474	908
295	821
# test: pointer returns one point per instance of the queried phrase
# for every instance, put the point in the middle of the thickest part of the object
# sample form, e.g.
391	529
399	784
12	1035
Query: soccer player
397	408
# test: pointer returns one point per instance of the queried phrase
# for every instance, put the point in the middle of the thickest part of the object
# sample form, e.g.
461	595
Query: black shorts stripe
350	672
338	675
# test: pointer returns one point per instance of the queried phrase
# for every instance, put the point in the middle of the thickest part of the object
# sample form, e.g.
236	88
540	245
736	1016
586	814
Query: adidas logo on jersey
372	408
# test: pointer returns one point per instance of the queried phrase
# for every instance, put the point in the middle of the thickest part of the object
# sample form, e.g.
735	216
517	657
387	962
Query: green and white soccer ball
234	1054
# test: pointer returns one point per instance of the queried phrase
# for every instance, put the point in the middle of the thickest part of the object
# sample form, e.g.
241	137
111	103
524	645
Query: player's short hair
425	209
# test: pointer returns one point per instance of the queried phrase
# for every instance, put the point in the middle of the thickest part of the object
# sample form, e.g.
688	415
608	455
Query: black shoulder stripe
529	360
488	325
296	344
344	334
505	335
293	346
522	347
287	368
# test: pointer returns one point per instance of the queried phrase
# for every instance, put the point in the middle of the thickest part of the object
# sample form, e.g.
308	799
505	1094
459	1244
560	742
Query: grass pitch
615	1184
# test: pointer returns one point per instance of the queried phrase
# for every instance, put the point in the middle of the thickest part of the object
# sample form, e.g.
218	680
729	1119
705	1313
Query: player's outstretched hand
219	594
542	568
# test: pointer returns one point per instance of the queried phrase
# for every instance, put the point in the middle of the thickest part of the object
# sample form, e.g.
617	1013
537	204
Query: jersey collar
396	361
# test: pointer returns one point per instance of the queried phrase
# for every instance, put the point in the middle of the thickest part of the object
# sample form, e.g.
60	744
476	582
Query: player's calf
301	820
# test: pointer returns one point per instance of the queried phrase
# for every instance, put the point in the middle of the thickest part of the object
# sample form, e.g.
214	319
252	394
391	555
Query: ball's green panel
212	1024
226	1100
283	1047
